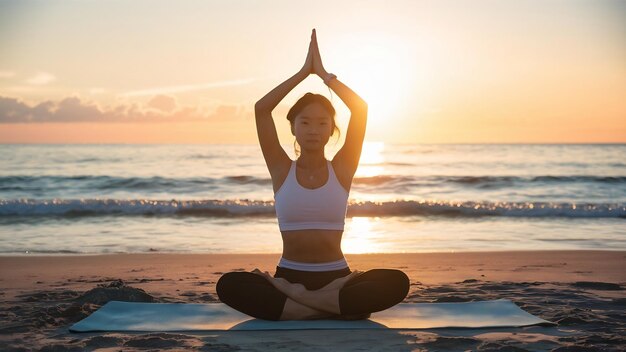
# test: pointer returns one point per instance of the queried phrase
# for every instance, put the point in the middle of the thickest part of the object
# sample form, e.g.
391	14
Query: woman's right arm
271	99
275	156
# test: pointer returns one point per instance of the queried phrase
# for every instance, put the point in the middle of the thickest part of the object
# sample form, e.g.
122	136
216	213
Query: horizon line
390	143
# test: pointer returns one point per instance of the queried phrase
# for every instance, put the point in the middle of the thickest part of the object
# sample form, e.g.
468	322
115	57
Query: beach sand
584	291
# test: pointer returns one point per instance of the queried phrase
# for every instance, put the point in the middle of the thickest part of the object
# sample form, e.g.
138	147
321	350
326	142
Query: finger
352	275
280	283
357	272
261	273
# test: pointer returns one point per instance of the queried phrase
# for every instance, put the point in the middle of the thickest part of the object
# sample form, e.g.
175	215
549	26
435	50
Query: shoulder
279	173
281	168
344	174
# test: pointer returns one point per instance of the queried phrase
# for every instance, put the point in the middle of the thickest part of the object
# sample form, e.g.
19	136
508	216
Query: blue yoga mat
130	316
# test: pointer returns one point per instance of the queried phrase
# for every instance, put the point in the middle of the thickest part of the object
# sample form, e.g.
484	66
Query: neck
312	159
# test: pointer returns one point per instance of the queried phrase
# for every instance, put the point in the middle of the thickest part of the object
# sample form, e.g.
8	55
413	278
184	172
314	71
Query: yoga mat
130	316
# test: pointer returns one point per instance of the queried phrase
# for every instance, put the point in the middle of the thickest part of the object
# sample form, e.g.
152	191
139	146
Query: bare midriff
312	246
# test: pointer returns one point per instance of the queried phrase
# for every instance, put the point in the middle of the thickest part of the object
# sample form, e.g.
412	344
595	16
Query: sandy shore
581	290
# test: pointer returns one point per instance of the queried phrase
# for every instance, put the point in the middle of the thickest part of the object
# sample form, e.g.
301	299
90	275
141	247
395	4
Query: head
312	120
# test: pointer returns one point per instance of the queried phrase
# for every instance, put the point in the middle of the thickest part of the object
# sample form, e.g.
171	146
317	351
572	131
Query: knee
222	286
404	284
400	283
226	285
250	294
394	282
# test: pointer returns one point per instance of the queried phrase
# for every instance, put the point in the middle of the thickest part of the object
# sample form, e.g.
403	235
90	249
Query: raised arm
275	157
348	156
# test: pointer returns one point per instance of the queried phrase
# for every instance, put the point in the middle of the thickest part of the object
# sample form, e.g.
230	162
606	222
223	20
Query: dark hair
306	100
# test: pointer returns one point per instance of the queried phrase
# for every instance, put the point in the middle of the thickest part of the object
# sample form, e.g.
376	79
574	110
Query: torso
312	246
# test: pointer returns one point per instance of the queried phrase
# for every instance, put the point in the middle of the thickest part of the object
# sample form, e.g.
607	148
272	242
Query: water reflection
360	237
371	159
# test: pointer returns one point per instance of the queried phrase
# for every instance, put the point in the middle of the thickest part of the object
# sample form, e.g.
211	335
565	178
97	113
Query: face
313	127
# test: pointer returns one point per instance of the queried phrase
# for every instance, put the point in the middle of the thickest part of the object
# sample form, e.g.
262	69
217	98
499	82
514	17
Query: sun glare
359	237
371	160
379	68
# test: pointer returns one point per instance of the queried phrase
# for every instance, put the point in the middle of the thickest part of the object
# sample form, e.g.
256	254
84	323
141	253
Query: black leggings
372	291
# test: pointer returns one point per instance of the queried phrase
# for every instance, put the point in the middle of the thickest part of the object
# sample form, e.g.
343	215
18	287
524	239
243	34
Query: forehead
314	111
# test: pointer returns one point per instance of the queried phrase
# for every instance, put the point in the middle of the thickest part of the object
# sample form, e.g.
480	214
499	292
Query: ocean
92	199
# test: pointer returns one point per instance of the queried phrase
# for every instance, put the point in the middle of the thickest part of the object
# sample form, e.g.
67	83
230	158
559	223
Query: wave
97	182
203	156
157	182
382	180
245	208
547	178
248	180
483	181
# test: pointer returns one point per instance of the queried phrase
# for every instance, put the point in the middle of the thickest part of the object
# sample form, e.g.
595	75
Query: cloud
72	109
187	87
41	78
6	74
163	103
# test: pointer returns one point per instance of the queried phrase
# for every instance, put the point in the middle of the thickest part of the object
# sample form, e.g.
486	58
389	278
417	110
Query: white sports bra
322	208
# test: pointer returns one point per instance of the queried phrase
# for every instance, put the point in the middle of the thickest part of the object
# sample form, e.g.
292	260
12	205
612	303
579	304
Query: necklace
312	176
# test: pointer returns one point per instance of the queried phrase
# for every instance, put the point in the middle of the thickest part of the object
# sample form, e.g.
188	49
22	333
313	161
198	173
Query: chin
313	146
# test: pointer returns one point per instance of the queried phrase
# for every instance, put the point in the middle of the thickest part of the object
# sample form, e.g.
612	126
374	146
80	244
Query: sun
379	68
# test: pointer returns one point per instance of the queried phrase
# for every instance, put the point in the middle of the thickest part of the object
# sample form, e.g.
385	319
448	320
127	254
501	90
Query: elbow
360	107
260	107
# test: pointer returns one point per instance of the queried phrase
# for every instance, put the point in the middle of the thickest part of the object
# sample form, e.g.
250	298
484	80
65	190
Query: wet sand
583	291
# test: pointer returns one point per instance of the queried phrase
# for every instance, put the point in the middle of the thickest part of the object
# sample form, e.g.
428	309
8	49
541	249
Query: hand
281	284
318	67
340	282
258	272
265	274
288	288
307	68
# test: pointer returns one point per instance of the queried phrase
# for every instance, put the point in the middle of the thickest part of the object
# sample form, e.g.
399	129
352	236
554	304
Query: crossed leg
371	291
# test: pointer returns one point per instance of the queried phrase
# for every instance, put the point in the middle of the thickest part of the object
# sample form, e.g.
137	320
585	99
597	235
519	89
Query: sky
151	71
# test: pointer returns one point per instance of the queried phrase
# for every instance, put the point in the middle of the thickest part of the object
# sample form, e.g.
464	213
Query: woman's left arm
349	155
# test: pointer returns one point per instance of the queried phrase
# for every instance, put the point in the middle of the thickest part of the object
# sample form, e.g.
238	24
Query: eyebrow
315	117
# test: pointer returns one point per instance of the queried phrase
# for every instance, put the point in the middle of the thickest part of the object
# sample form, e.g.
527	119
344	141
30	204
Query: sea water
80	199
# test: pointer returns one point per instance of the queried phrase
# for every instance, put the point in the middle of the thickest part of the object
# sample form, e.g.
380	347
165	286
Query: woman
312	279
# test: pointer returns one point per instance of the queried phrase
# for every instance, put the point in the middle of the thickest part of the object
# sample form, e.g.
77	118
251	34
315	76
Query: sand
584	291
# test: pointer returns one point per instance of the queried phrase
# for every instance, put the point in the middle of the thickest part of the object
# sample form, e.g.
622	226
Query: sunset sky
431	71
